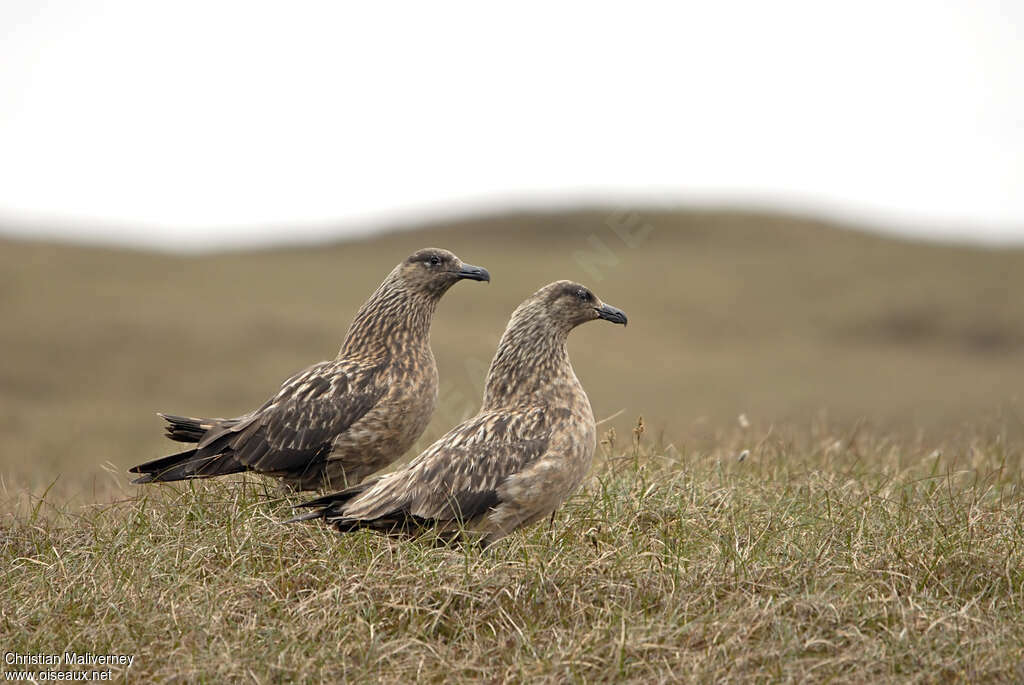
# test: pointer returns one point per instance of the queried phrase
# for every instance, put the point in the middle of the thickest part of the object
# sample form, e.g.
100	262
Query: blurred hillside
778	318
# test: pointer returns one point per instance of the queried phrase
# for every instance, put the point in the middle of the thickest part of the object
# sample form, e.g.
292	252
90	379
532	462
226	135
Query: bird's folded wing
301	421
459	475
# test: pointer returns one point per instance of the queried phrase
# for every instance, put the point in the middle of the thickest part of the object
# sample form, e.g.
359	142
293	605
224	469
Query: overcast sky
211	122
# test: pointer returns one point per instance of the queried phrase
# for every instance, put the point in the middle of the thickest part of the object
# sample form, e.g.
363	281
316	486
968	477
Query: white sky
210	122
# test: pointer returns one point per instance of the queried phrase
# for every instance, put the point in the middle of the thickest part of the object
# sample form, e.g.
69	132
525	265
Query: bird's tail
187	428
332	504
186	465
331	508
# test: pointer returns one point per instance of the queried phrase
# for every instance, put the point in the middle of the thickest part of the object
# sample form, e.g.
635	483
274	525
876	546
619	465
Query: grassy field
819	556
827	488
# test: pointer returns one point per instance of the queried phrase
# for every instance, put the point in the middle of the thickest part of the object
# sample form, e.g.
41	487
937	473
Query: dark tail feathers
332	504
187	428
186	465
331	508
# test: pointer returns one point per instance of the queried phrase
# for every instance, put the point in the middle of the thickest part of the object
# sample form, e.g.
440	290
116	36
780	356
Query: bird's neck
392	320
531	365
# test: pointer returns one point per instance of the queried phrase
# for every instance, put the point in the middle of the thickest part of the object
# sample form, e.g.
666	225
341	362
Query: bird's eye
583	295
435	260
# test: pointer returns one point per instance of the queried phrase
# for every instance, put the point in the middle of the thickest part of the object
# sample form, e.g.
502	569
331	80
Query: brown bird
517	460
337	421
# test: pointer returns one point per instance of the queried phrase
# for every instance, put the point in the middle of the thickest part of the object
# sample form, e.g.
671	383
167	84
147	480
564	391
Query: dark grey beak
610	313
474	273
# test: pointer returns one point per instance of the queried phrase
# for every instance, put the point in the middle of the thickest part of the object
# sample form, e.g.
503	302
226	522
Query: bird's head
567	305
433	270
533	345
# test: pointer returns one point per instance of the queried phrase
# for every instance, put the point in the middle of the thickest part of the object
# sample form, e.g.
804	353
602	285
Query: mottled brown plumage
517	460
337	421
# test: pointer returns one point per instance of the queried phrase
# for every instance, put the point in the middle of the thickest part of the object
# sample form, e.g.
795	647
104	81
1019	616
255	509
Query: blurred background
812	214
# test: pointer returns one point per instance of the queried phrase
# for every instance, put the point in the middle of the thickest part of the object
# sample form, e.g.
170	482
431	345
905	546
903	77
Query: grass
820	556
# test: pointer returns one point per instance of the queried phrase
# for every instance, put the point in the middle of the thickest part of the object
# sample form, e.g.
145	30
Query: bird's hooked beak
474	273
610	313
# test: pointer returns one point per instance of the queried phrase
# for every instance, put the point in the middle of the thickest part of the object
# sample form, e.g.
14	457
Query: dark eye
435	260
583	295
